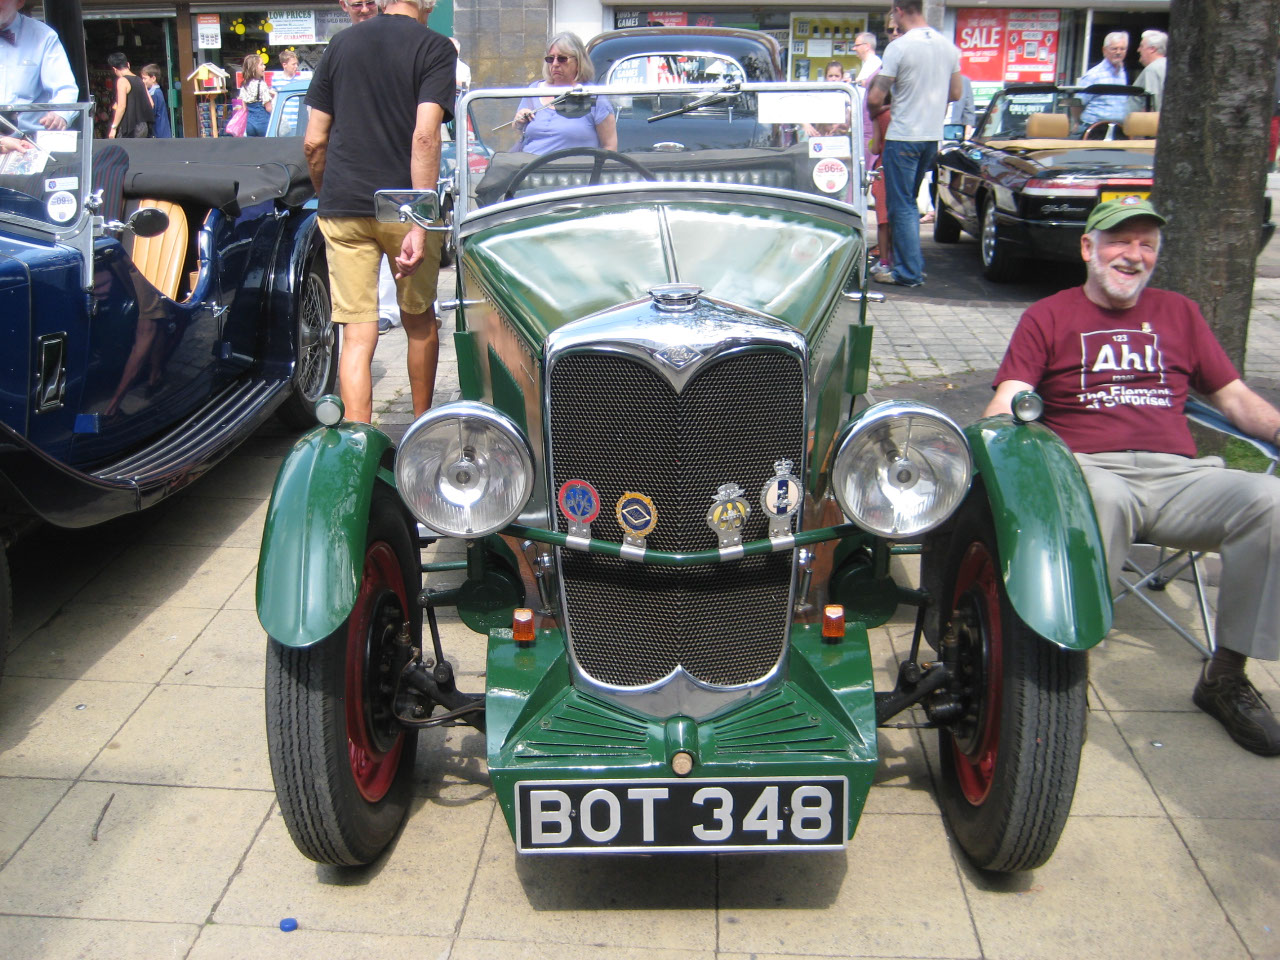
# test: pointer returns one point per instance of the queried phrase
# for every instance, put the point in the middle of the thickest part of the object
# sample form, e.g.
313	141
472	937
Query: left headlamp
465	469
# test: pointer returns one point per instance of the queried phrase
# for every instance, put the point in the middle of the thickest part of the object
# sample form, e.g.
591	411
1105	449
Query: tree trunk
1211	156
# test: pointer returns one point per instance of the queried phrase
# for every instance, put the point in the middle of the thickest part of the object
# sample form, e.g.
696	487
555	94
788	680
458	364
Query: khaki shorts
355	247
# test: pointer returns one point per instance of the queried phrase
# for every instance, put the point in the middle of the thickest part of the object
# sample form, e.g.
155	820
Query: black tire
998	264
1009	765
449	248
342	765
315	369
946	228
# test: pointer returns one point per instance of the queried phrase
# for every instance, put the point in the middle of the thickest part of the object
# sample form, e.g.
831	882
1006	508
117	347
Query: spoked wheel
998	264
342	764
449	248
1009	764
316	363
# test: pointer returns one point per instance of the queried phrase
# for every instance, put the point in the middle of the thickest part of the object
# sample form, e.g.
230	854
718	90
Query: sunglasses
361	4
557	58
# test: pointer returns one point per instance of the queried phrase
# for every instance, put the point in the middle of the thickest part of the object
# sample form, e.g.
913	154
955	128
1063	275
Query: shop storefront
179	37
999	43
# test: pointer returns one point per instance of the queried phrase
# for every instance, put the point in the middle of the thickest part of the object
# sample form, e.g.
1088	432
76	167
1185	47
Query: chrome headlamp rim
467	409
872	417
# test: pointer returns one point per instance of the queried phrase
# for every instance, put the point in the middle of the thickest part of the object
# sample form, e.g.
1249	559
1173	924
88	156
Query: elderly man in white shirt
33	67
864	45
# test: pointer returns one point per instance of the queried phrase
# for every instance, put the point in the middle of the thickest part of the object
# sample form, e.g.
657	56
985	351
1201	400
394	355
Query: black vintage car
159	300
655	56
1026	181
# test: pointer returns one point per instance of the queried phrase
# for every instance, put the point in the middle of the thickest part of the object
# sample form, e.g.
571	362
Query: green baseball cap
1109	215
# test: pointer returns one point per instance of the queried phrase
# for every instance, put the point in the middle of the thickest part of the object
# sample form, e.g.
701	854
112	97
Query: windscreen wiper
719	96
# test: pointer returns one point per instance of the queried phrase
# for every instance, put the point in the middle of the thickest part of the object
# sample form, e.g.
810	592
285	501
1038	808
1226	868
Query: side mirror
401	206
953	131
148	222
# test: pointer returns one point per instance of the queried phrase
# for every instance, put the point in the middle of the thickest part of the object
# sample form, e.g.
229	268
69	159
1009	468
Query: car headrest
1141	125
1048	126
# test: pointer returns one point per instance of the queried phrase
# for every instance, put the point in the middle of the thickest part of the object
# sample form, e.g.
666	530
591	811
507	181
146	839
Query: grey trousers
1198	504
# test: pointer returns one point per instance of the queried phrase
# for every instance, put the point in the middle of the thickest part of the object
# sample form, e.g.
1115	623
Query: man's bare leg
355	369
423	355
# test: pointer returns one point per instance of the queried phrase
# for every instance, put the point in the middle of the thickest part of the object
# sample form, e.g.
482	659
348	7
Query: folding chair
1172	563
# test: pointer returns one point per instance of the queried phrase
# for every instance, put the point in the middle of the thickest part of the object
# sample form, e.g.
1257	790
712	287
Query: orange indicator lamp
522	627
832	623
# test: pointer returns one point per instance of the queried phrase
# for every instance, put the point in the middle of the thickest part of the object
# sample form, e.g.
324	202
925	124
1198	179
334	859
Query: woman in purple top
543	128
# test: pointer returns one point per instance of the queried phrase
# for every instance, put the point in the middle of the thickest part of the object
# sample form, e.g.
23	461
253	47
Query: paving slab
228	941
55	938
109	641
1239	862
617	902
191	736
418	888
1118	887
54	728
161	854
894	892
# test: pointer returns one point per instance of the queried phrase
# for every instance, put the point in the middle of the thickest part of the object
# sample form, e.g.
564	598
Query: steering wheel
599	154
1109	130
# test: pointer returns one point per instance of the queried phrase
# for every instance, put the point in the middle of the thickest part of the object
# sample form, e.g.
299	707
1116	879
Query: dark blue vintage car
641	56
159	300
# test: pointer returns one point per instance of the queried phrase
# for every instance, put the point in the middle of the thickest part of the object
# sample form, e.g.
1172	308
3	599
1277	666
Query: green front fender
1051	553
314	540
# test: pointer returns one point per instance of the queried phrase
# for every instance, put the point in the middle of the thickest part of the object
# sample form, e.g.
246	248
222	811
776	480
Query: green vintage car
680	517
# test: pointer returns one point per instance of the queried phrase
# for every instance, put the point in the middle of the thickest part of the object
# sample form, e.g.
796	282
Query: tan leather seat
160	258
1139	126
1048	126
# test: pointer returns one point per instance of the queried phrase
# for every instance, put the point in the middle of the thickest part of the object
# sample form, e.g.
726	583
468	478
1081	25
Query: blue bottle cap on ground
288	924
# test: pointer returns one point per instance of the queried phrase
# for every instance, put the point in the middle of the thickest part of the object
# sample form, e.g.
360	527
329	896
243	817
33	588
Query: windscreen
801	138
1011	111
44	166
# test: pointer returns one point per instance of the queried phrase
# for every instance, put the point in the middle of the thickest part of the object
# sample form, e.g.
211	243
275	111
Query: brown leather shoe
1235	703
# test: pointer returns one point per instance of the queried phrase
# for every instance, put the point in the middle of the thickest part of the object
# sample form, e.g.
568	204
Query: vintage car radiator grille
618	424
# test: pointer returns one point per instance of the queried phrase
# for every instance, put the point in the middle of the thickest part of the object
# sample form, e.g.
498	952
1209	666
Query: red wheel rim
978	599
374	758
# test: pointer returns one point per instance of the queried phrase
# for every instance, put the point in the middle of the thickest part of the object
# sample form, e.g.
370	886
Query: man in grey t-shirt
922	70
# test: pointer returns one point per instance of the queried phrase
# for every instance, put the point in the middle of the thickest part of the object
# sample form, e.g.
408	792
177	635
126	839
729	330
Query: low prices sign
1031	55
1002	45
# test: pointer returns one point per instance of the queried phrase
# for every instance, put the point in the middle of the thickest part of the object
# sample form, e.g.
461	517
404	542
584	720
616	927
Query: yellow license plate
1105	195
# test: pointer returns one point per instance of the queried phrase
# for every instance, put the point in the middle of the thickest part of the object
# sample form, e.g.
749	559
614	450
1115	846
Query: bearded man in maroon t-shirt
1113	362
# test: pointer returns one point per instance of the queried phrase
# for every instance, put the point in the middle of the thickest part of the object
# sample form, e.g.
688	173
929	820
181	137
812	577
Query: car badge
728	515
580	503
781	498
637	516
678	356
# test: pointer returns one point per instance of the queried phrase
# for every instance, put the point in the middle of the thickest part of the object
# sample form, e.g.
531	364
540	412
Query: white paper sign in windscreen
803	106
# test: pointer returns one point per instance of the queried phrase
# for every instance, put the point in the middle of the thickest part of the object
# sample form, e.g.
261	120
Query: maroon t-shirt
1117	379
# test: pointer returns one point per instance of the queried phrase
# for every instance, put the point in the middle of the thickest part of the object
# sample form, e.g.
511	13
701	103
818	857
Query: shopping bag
239	120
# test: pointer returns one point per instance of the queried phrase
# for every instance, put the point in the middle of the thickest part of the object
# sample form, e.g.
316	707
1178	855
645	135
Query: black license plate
644	816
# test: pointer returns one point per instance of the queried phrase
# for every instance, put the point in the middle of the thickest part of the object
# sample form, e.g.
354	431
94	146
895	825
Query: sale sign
1006	46
980	37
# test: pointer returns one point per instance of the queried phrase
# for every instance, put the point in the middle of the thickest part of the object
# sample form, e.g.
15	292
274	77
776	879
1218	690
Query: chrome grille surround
673	405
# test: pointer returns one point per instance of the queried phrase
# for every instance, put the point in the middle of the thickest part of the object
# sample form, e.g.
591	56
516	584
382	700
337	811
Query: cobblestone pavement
138	817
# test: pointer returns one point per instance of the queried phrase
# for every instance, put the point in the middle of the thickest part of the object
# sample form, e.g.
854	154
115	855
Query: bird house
208	78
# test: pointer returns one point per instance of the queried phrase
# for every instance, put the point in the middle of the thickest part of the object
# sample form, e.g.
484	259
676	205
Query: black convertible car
1026	181
159	299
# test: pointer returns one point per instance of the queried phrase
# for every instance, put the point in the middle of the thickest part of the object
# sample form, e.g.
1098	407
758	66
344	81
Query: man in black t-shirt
382	89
